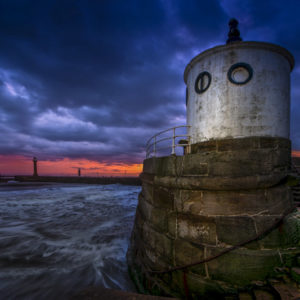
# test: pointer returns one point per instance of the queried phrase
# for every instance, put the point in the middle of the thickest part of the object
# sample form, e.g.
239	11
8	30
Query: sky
85	83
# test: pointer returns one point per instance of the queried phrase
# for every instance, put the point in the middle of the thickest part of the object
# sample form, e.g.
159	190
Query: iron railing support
173	141
151	146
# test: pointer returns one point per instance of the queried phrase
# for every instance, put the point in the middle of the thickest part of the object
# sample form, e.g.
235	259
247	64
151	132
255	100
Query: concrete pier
220	221
196	206
81	179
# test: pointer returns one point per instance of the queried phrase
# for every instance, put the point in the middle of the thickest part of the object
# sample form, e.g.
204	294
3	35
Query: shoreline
83	180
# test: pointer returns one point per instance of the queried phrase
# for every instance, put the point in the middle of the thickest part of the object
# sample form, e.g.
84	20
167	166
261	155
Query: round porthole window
202	82
240	73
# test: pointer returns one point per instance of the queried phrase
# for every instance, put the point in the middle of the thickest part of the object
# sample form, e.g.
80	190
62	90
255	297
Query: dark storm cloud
95	79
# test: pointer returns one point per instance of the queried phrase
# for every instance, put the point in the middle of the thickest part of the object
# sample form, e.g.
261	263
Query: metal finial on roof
234	33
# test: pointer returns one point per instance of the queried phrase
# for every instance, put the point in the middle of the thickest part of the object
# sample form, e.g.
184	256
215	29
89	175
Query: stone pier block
242	266
172	225
196	206
235	230
157	241
154	216
147	192
197	229
187	252
286	235
163	198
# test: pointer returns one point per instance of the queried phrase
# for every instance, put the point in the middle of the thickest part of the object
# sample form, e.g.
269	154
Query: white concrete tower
207	223
241	89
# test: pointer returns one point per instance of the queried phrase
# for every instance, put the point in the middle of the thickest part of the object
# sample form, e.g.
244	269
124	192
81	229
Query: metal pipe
173	142
152	147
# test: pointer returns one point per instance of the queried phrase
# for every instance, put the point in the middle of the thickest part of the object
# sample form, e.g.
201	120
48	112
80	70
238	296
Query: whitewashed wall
260	107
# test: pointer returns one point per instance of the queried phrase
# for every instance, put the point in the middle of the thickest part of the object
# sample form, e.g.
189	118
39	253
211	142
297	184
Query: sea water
58	239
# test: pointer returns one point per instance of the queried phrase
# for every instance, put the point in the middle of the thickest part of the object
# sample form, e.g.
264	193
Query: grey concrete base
180	220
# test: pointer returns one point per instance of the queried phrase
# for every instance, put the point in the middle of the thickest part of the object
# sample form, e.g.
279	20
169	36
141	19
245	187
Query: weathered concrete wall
182	217
251	163
260	107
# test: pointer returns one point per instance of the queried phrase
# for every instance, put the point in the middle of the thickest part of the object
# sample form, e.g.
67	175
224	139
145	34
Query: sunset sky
85	83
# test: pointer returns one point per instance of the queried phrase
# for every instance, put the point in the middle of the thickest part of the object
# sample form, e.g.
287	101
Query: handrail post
173	141
152	148
189	145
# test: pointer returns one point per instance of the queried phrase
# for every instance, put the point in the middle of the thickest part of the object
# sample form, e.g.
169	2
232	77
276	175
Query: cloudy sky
84	83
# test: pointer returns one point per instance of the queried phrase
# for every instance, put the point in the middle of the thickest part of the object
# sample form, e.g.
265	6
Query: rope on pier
257	237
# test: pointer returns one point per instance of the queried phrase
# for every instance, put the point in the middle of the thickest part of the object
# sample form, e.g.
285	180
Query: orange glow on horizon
295	153
20	165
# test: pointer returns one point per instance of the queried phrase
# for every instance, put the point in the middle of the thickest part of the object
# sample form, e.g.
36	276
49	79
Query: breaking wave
56	239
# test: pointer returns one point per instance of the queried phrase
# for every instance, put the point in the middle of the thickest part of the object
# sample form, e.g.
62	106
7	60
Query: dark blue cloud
95	79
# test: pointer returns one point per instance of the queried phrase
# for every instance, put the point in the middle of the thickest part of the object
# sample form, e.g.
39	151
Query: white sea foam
58	239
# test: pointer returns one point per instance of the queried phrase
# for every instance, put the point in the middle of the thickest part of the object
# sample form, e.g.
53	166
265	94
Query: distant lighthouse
35	173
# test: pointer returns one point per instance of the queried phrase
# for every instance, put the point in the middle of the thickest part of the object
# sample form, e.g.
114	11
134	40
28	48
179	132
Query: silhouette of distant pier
86	180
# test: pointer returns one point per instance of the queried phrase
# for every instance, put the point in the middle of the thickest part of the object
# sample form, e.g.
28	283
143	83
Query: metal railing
151	146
